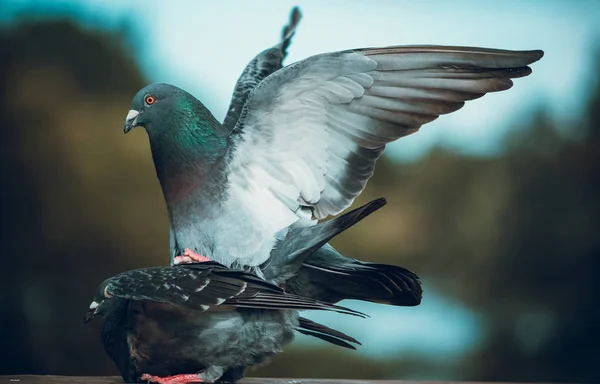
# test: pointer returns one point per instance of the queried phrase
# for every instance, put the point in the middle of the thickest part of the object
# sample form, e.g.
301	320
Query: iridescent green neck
188	149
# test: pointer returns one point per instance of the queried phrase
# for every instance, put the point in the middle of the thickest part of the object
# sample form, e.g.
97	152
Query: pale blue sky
439	328
203	46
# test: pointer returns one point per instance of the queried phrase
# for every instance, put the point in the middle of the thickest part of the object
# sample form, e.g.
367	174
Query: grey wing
261	66
194	288
200	286
311	133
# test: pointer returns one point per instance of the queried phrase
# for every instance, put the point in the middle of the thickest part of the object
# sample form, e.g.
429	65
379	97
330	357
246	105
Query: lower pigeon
200	322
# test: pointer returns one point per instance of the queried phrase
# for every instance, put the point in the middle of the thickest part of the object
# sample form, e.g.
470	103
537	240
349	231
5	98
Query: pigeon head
154	104
97	306
181	130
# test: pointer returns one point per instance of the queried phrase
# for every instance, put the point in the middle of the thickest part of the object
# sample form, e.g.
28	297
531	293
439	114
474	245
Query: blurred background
496	206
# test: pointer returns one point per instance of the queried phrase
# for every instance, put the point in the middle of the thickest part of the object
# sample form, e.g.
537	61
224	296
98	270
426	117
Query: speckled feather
201	286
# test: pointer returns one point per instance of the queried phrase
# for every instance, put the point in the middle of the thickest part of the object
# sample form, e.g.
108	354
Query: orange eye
150	100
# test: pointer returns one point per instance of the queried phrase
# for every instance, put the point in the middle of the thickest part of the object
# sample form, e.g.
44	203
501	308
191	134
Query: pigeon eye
150	100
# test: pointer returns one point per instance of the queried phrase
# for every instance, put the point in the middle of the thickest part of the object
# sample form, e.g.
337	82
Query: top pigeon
300	142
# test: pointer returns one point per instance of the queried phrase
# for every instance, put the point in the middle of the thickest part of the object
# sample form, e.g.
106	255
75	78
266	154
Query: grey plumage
200	318
340	110
199	286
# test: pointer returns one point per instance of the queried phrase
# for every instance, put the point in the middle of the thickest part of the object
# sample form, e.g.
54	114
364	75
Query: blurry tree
79	202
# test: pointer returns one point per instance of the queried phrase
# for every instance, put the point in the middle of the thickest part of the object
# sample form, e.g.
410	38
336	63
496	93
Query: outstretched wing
310	134
201	286
261	66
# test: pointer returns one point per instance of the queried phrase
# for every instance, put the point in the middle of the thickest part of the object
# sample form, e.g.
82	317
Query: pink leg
189	256
177	379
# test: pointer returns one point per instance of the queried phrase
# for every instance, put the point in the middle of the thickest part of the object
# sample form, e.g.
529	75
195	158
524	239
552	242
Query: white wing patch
290	170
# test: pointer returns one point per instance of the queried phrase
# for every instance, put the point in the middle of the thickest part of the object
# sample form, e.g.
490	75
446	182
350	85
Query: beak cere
130	120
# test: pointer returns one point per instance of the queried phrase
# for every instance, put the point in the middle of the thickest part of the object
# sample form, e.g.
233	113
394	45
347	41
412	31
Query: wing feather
261	66
318	126
201	286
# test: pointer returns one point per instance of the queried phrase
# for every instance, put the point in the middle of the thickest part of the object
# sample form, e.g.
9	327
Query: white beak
130	120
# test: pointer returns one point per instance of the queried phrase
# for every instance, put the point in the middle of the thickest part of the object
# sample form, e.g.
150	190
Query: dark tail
328	276
289	254
320	331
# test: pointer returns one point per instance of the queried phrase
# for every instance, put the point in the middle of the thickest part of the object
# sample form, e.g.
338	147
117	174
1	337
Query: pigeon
201	322
299	142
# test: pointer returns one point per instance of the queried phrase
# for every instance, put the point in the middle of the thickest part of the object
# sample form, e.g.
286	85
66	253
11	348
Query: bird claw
176	379
188	257
182	260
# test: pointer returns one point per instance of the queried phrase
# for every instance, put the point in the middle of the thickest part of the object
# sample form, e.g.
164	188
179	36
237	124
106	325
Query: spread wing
201	286
309	134
261	66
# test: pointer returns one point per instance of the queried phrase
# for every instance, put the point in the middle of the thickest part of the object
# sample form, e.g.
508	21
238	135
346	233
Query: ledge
51	379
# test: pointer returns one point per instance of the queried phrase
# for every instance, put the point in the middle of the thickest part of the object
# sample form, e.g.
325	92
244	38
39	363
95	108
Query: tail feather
323	332
378	283
331	277
289	254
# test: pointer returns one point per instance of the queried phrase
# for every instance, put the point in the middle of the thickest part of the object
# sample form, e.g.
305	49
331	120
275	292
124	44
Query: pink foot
177	379
188	257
